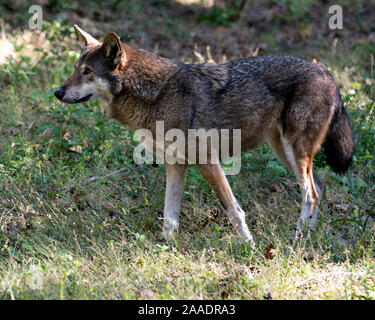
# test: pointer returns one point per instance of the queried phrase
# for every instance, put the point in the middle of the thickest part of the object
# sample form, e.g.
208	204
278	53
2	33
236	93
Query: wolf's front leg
175	178
216	178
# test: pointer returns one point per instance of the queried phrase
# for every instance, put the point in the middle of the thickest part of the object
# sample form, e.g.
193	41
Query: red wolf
292	104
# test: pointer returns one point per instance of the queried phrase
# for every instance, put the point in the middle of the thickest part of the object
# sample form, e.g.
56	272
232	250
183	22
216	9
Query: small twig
105	176
92	179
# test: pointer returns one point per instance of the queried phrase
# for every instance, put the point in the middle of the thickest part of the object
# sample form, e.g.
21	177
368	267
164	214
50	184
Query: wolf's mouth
86	98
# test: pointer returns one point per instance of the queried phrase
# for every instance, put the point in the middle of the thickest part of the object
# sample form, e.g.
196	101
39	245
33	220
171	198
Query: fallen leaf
254	270
269	252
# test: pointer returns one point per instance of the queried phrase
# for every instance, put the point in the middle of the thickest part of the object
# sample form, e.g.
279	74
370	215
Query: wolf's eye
87	71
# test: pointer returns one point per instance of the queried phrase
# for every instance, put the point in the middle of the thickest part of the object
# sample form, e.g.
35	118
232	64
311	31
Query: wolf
292	104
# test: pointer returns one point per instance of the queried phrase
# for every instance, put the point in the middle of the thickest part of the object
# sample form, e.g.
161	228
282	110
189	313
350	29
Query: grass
63	239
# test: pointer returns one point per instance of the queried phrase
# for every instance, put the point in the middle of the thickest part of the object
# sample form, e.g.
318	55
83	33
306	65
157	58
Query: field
64	237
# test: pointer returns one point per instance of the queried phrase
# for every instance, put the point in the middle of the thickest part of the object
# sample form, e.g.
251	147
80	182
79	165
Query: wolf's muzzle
59	93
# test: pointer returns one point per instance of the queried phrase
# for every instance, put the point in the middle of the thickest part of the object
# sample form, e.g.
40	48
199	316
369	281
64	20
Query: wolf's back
339	142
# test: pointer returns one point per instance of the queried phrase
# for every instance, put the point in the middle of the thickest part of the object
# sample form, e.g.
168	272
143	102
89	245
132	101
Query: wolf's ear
113	49
84	37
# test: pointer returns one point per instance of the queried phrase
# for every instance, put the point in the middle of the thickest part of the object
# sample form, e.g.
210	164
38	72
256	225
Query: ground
65	238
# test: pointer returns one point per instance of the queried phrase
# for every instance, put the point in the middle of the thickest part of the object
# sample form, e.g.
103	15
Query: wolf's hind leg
319	187
310	184
175	178
274	140
302	167
310	196
216	178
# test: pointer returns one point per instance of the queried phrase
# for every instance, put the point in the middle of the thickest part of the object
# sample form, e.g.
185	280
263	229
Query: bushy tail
339	142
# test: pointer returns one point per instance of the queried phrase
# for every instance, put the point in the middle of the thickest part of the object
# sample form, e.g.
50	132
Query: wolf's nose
59	93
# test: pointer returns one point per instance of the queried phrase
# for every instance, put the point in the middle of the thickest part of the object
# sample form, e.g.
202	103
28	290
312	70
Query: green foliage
224	15
297	10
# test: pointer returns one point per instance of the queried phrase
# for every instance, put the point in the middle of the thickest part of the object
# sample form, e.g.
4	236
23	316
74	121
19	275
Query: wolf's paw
248	238
169	235
299	234
303	230
170	229
306	224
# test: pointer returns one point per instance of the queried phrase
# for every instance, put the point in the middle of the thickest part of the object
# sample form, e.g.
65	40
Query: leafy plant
224	15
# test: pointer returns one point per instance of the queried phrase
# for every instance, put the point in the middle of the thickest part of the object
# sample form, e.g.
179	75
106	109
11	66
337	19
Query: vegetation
64	238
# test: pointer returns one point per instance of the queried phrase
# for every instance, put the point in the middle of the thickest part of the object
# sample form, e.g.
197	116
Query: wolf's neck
139	86
132	112
146	74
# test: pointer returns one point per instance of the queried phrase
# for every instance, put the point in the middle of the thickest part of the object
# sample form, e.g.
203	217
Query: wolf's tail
339	142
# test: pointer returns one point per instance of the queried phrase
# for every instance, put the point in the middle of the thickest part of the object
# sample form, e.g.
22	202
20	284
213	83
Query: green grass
63	239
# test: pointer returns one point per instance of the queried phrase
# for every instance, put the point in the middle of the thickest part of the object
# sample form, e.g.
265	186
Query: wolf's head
97	71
